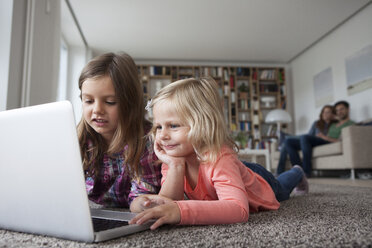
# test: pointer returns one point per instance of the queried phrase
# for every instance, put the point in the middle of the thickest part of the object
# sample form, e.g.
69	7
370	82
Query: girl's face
171	132
100	106
327	114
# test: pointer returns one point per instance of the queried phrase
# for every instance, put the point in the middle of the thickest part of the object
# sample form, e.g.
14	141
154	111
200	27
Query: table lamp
278	116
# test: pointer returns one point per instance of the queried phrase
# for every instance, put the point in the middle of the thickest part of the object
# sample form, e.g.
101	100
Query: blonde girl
200	161
118	158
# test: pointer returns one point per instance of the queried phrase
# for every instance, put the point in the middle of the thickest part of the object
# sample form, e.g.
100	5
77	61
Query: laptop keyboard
104	224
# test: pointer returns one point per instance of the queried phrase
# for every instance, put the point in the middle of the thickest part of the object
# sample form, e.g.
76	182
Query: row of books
187	71
218	71
159	70
272	130
263	145
268	88
212	71
267	74
244	104
244	116
256	133
242	72
255	104
251	144
245	126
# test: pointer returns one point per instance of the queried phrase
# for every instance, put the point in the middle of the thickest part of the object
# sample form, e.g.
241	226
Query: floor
337	181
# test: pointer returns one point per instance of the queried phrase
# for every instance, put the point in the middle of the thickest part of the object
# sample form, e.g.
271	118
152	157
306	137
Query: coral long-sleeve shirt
226	192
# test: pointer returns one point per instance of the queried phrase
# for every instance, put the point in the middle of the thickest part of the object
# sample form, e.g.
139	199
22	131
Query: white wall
6	10
352	36
33	57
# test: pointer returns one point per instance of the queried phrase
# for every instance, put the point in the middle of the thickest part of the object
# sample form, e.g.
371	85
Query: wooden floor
337	181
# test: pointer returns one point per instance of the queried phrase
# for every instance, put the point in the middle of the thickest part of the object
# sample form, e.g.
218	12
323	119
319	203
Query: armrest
356	143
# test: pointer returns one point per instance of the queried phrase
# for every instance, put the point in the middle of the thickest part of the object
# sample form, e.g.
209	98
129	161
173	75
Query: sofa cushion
330	163
329	149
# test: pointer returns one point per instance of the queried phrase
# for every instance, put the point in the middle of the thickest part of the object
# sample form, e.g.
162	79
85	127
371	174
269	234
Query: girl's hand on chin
165	158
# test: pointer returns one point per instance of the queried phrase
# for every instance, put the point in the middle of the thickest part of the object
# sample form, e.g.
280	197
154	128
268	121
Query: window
63	64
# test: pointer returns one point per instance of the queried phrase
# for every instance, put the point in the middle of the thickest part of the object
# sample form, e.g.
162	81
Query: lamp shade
278	116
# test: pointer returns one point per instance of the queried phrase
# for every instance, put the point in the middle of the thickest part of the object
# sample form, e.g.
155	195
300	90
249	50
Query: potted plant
241	138
243	91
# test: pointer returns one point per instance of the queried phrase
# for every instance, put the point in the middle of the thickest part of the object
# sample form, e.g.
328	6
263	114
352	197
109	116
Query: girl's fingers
159	222
157	148
135	218
148	215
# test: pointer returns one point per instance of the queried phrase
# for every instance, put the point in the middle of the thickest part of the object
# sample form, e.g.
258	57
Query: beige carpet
330	216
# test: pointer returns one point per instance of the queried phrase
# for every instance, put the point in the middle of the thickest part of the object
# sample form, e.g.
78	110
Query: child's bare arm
174	182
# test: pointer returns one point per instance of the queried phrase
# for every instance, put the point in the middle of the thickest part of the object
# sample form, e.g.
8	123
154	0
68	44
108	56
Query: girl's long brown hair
122	70
321	124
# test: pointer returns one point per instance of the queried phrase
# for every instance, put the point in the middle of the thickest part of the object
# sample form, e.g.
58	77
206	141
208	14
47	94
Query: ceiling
241	31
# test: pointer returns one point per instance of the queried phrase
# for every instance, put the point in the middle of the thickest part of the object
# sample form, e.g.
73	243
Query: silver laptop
42	185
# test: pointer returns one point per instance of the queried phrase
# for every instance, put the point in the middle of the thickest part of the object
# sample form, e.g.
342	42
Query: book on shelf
255	104
256	133
271	131
232	82
233	126
220	72
256	120
225	74
283	104
159	70
250	143
226	89
242	72
226	109
263	145
267	75
245	126
233	111
196	73
265	87
206	71
254	75
244	116
282	90
174	73
185	71
232	97
244	104
254	89
213	71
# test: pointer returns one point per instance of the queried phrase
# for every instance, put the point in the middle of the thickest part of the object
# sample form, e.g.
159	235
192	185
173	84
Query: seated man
306	142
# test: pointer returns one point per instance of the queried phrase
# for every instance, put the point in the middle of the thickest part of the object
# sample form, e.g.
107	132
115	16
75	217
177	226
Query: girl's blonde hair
199	106
124	75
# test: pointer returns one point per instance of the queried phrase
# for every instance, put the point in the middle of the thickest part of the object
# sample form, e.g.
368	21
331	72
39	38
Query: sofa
354	151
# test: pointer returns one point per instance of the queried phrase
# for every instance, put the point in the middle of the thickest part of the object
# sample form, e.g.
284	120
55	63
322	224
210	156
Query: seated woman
326	118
